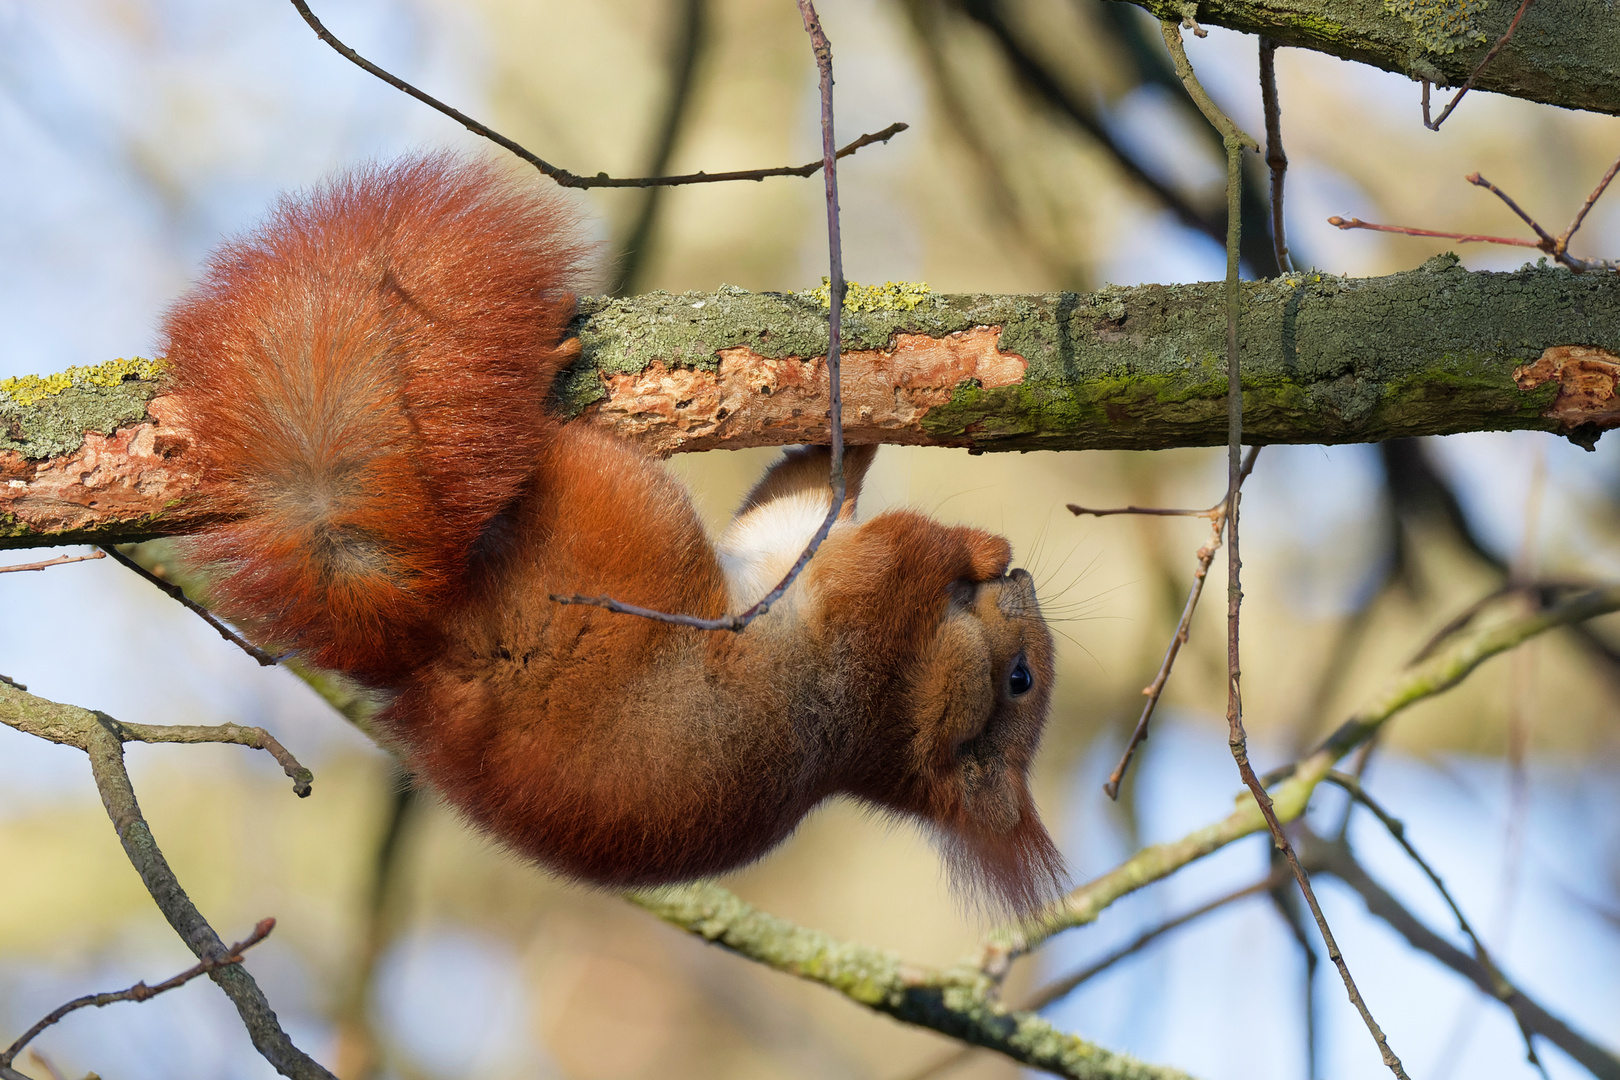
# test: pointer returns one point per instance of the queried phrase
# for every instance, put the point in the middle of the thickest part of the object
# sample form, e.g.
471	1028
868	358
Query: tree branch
1564	53
1336	858
959	1001
1291	787
1324	360
139	992
102	738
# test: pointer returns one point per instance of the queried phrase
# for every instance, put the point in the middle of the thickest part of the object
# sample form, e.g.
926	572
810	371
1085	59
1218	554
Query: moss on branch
1324	359
1565	52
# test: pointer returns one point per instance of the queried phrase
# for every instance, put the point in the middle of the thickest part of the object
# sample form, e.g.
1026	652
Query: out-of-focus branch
1061	988
102	738
1336	858
1045	84
689	32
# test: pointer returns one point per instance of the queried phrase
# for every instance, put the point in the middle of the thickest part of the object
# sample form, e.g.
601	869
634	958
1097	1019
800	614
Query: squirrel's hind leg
781	514
803	470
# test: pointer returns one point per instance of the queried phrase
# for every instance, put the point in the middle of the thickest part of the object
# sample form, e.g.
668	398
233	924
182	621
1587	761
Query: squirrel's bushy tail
365	378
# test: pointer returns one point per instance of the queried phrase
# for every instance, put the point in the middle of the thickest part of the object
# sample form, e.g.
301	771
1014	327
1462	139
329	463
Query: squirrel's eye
1020	680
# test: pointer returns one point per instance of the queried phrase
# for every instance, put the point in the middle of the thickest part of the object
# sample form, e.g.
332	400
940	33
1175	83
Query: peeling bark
1325	360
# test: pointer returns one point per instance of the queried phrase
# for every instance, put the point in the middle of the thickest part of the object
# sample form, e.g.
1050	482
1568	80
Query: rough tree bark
1565	52
102	457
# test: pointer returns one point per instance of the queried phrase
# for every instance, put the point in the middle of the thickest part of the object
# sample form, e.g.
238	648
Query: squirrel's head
945	667
979	701
977	687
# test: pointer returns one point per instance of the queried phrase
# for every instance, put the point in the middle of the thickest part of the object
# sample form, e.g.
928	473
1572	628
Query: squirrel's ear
804	469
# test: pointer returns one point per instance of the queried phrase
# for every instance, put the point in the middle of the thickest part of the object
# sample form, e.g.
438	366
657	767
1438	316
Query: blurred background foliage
1048	150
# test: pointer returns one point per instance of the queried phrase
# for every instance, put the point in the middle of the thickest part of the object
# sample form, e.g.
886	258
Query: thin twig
255	738
822	49
1524	6
140	991
1276	159
1148	511
1602	186
177	593
58	561
1555	246
1153	690
102	739
1212	112
1479	181
1407	230
562	176
1237	739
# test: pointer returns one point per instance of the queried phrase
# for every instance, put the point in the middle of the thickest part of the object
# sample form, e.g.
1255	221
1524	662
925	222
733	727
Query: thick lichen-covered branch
1565	52
960	1002
1324	360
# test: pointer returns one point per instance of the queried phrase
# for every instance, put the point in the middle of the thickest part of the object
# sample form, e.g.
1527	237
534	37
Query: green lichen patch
45	416
1441	26
32	389
890	296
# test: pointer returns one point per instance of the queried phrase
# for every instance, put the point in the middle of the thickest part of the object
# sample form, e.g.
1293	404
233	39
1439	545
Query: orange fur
365	377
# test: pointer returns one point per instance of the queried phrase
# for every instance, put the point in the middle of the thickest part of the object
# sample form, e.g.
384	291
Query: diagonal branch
960	1002
1336	858
1290	788
102	738
139	992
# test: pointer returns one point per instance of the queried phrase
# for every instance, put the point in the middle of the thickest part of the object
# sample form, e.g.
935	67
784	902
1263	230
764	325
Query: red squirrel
365	378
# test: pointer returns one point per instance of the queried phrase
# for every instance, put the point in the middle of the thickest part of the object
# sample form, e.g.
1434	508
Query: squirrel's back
366	375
